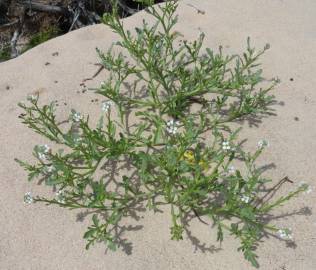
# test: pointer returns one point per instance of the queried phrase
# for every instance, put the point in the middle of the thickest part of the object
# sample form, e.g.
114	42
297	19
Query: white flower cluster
77	140
46	148
285	234
42	152
263	143
86	200
60	196
308	188
245	199
231	170
28	198
106	105
31	98
50	169
172	126
76	117
226	146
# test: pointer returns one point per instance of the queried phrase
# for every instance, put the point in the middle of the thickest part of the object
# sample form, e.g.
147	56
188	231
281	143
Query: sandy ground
39	238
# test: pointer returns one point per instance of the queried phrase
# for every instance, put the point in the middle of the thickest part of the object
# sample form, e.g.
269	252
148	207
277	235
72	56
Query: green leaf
95	220
89	233
111	245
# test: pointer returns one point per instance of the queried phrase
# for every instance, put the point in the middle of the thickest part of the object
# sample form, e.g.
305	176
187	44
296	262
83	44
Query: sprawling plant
174	103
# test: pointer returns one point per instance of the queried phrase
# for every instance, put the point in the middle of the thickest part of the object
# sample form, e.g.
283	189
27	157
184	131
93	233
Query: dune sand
39	238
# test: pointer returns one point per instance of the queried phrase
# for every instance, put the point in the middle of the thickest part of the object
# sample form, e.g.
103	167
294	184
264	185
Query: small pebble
296	118
291	79
47	63
7	87
55	54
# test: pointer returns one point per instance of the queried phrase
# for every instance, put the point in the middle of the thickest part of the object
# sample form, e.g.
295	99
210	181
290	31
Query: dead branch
95	74
16	35
45	8
126	8
75	18
273	190
8	25
14	40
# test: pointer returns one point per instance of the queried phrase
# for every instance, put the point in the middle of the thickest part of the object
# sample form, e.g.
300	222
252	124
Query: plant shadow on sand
268	193
111	172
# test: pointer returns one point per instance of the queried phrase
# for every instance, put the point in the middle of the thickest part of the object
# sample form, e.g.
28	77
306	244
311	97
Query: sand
38	237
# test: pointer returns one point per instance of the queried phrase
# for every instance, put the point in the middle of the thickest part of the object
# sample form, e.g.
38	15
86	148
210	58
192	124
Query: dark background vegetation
27	23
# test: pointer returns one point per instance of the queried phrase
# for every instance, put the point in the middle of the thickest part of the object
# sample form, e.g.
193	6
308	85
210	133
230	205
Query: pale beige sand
38	237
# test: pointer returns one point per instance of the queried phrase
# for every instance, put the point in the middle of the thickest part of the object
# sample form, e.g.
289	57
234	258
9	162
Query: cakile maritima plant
182	151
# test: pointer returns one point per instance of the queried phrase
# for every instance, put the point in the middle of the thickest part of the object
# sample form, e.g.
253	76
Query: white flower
231	170
50	169
106	105
28	198
245	199
285	234
77	139
263	143
60	196
225	146
304	185
31	98
102	84
172	123
86	200
42	151
42	156
308	190
76	117
172	126
45	148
